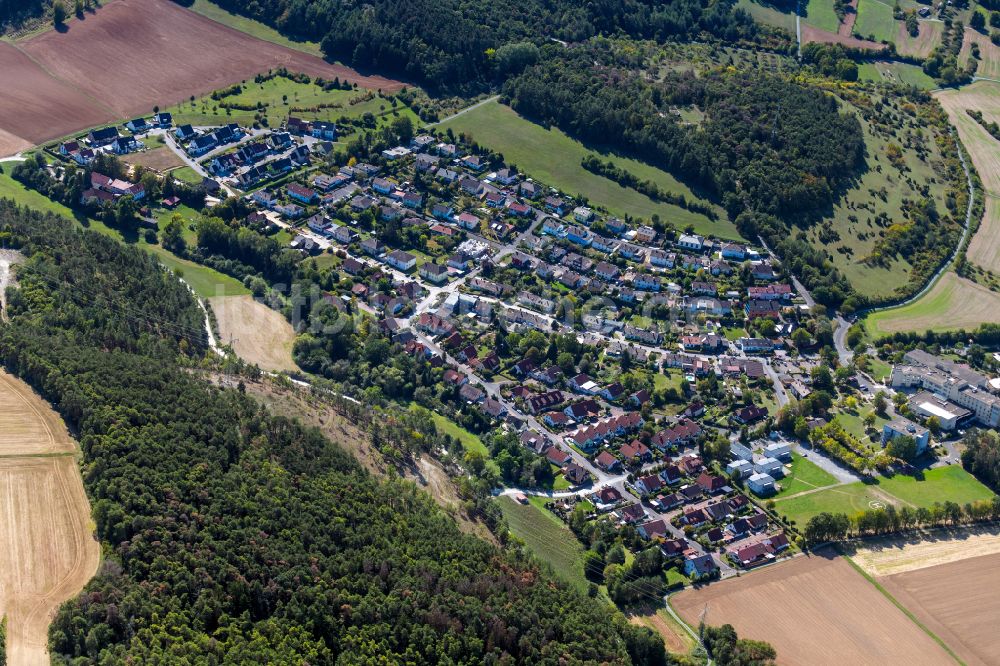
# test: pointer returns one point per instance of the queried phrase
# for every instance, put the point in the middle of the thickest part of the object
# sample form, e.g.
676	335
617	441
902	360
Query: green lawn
762	12
875	21
896	72
849	499
547	537
878	368
672	379
853	422
820	14
469	441
11	189
205	281
186	174
804	475
254	28
554	159
280	97
943	484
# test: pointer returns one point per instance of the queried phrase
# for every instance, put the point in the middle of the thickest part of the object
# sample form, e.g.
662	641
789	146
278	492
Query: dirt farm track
126	58
47	548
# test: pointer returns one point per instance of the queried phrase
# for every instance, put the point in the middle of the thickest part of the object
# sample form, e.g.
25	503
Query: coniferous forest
234	536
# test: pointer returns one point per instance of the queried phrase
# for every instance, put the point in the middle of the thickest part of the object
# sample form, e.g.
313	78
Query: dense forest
234	536
766	144
452	43
981	457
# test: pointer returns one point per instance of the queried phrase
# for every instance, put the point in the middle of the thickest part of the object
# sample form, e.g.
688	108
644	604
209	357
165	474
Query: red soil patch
811	34
34	106
130	56
847	25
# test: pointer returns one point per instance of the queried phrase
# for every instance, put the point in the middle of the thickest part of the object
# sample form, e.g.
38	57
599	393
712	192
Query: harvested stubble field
899	554
130	56
258	334
47	549
984	151
814	610
958	601
952	303
812	34
928	36
989	54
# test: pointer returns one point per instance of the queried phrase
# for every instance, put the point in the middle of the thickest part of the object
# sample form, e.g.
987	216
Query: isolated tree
903	447
879	403
58	14
79	9
977	21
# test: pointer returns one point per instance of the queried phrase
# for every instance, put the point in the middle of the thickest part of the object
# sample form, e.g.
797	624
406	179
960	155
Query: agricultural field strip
814	609
886	556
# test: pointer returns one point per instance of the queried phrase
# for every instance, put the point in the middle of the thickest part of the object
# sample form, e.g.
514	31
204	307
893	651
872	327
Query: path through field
47	547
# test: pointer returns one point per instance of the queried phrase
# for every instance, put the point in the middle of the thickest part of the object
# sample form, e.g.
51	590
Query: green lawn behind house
804	475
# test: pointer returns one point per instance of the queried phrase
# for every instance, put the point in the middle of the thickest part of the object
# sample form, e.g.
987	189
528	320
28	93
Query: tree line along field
126	58
554	159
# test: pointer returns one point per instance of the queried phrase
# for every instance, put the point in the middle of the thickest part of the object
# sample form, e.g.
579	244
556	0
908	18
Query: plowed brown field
126	58
47	548
814	610
958	601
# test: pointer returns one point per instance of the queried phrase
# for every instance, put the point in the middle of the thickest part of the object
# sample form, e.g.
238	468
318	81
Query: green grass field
282	97
186	174
896	72
820	14
763	13
952	303
943	484
804	475
853	422
547	538
875	21
470	441
554	159
850	229
253	28
850	499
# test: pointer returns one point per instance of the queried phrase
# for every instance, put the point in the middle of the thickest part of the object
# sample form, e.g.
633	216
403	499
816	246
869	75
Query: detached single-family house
400	260
436	273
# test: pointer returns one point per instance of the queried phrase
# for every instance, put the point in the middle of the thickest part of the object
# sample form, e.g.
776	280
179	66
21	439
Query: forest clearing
257	333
